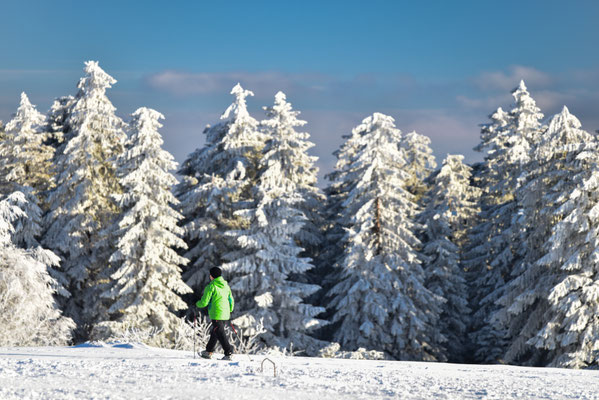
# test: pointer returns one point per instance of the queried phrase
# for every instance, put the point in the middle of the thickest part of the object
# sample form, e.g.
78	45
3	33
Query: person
217	295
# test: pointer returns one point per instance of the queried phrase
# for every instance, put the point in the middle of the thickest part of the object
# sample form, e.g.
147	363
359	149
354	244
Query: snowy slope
125	371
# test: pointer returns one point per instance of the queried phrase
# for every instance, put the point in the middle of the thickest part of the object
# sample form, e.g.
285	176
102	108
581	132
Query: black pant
217	332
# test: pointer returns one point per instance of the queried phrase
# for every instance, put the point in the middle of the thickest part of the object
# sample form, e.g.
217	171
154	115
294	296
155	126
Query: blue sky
438	67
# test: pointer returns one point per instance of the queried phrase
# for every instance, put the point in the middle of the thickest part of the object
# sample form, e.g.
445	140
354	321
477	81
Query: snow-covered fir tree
451	209
217	179
380	301
421	161
336	220
26	159
81	204
269	267
334	211
146	283
337	225
487	343
545	307
335	215
290	148
569	331
29	315
497	242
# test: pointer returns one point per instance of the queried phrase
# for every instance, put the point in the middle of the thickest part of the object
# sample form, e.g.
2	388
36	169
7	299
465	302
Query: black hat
215	272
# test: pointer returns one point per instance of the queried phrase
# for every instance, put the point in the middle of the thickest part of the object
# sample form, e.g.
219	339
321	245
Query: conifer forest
396	254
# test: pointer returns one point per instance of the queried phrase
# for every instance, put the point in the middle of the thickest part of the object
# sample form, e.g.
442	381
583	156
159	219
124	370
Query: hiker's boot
206	354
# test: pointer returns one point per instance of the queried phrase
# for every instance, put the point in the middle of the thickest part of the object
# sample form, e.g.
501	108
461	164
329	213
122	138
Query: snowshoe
206	354
228	358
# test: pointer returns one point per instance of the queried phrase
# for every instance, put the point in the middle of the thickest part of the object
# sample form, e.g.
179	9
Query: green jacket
218	296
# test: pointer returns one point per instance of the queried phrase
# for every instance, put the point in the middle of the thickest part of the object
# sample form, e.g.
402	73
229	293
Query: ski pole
239	338
230	323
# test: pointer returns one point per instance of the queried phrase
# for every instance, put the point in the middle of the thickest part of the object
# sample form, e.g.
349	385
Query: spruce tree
145	287
334	229
288	147
380	300
569	328
451	209
81	205
548	282
217	180
269	269
497	244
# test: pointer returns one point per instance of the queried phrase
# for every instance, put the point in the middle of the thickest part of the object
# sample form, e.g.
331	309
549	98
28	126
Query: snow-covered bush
180	338
29	315
334	351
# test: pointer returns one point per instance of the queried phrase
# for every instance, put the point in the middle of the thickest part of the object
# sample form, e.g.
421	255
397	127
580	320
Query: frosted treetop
564	118
520	91
238	109
148	115
96	78
376	119
282	110
26	114
526	105
281	103
25	101
280	98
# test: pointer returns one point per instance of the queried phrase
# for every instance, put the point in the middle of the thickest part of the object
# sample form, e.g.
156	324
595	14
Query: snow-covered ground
126	371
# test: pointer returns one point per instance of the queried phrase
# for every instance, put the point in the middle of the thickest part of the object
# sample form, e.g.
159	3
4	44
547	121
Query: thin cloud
550	99
508	80
205	83
321	90
483	104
